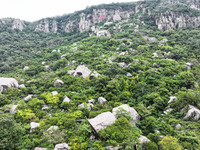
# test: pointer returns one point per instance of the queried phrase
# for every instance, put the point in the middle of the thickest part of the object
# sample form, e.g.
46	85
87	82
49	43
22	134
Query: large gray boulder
28	97
143	140
62	146
102	121
34	125
82	71
6	83
171	99
66	99
54	93
132	112
102	100
193	113
58	83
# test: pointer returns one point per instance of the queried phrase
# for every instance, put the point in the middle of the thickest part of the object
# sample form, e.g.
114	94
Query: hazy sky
31	10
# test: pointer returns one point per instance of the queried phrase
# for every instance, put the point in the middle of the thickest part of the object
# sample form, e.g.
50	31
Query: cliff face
13	23
166	17
83	21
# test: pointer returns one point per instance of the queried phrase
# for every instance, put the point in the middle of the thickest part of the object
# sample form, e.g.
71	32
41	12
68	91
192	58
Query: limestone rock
39	148
58	83
94	74
52	129
6	83
87	106
129	74
155	54
13	109
66	99
102	121
172	98
193	113
34	125
21	86
103	33
54	93
82	71
178	126
28	97
168	111
26	68
132	112
45	107
18	24
102	100
188	66
92	101
143	140
123	64
114	147
62	146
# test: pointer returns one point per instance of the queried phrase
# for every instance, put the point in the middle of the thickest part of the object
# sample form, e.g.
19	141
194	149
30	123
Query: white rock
143	140
123	64
102	121
114	147
28	97
26	68
167	111
157	131
6	83
132	112
52	129
94	74
43	63
87	106
172	98
71	72
45	107
34	125
66	99
65	55
62	146
21	86
193	113
188	66
54	51
39	148
129	74
178	126
103	33
54	93
155	54
92	101
58	83
82	71
47	67
13	109
102	100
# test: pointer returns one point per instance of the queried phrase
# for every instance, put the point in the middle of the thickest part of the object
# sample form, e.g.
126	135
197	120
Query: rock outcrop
34	125
6	83
18	24
193	113
58	83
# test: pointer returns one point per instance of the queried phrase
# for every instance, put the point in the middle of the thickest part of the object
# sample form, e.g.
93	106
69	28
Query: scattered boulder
28	97
155	54
82	71
66	99
43	62
39	148
132	112
13	109
21	86
193	113
167	54
62	146
102	100
151	39
123	64
47	67
34	125
143	140
87	106
178	126
58	83
129	74
167	111
188	66
6	83
157	131
94	74
172	98
114	147
102	121
45	107
92	101
54	93
26	68
103	33
52	129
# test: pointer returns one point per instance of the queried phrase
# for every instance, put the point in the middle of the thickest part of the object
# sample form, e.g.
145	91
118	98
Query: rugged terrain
116	76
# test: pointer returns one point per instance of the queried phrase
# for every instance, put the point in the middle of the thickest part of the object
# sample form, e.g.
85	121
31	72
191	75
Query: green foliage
170	143
11	133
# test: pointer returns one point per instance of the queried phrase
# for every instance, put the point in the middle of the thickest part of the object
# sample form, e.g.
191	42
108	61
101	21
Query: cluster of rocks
61	146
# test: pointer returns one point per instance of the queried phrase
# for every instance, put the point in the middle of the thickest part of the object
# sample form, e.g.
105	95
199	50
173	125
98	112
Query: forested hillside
130	81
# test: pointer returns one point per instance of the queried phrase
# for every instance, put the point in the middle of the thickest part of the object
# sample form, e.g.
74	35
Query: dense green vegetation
154	79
